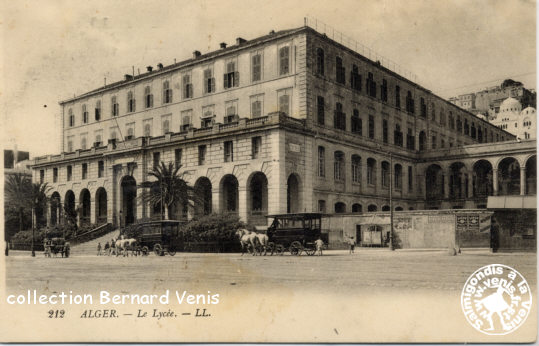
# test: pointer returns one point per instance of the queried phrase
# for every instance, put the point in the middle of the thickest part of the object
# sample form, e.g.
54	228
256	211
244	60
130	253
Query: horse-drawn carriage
295	233
57	246
159	236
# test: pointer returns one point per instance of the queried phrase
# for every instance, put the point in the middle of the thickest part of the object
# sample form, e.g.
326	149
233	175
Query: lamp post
33	227
391	245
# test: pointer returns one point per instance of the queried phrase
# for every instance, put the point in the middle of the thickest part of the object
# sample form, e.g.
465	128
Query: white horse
121	246
247	239
263	240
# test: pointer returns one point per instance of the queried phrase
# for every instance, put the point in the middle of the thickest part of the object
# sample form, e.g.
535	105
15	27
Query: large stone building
512	118
288	122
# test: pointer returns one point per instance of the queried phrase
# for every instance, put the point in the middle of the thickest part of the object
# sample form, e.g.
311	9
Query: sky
53	50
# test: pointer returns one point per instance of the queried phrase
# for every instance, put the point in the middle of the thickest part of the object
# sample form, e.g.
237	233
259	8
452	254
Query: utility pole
391	245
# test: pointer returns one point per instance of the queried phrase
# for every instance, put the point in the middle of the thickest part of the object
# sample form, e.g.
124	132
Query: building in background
512	118
16	161
288	122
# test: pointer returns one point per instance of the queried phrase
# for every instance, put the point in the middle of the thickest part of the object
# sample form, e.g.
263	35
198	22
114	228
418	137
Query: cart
161	237
60	246
295	233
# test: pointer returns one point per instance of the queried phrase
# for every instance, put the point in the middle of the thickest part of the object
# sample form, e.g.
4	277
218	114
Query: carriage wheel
295	248
271	248
171	251
310	251
279	249
158	250
145	251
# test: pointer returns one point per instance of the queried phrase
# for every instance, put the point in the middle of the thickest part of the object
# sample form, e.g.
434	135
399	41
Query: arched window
356	169
340	207
357	208
372	208
338	167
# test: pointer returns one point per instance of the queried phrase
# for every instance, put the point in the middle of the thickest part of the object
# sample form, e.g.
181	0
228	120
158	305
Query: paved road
336	270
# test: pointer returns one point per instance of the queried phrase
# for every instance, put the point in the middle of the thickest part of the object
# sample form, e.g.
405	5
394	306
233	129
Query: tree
18	187
168	188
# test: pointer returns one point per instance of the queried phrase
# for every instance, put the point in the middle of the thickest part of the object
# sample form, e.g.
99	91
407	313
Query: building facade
512	118
288	122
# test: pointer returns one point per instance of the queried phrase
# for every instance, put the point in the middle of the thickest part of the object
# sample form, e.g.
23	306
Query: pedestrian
352	243
319	244
107	249
112	247
99	249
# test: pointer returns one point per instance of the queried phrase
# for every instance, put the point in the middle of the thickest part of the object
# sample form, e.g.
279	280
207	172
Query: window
442	143
148	128
410	106
473	131
383	91
398	96
410	179
71	118
321	161
148	97
115	110
398	136
284	101
423	107
339	71
355	78
100	169
69	173
83	142
231	77
98	139
256	67
98	110
356	169
156	159
433	112
339	119
338	166
371	85
229	151
385	174
356	123
130	131
41	176
201	155
320	107
178	157
371	171
257	105
256	144
320	61
231	112
385	131
167	92
321	206
422	141
187	86
371	127
131	102
84	171
84	114
433	141
398	177
165	125
69	144
442	117
410	139
55	175
186	117
467	127
284	60
451	121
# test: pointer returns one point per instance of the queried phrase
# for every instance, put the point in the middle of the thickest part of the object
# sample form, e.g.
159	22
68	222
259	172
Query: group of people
108	250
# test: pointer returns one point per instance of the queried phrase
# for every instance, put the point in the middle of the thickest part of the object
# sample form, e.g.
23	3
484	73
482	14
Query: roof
512	202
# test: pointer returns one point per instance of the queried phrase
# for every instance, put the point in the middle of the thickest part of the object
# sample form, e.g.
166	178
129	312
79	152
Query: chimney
196	54
240	40
223	45
149	68
128	77
272	32
160	66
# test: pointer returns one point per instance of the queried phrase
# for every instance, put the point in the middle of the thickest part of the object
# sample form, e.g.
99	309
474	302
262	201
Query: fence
24	246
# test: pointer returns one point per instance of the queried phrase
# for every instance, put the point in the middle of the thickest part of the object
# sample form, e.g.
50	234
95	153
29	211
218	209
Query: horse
263	240
247	239
121	247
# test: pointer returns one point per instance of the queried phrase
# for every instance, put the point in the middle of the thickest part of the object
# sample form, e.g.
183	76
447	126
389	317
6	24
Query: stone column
242	203
446	186
48	213
495	182
93	212
470	185
522	180
215	199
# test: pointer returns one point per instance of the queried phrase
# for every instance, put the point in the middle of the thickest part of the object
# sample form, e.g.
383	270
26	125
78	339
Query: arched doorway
509	177
372	208
55	208
340	208
531	176
203	196
69	208
84	203
434	181
257	198
458	181
129	203
101	206
293	199
482	179
229	194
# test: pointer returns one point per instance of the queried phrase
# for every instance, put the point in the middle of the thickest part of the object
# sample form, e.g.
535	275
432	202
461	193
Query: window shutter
236	78
212	84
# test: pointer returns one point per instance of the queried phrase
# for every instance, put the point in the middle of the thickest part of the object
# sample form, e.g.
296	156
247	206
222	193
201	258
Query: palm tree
17	189
168	188
37	199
